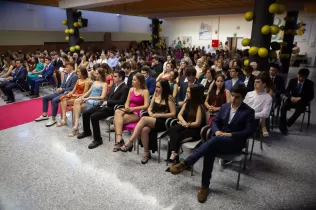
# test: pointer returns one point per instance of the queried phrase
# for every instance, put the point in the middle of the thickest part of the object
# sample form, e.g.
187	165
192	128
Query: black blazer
58	64
118	97
307	92
279	86
251	83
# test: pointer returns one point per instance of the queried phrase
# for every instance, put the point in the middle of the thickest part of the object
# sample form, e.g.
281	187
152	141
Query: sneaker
223	162
178	168
41	118
51	123
265	132
202	194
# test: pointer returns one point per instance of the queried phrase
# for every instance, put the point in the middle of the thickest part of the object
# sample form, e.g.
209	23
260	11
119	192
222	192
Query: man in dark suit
67	85
18	79
235	80
46	75
278	83
150	81
57	63
190	73
157	66
234	123
117	96
299	93
249	79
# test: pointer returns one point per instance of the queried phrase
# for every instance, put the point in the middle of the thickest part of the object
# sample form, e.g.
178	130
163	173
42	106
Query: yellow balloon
253	50
265	29
66	31
245	42
281	9
71	31
274	8
274	29
262	52
72	49
67	38
246	62
76	24
77	47
64	22
80	24
249	16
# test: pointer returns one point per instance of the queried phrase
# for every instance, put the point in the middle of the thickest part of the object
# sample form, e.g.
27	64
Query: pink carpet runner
21	112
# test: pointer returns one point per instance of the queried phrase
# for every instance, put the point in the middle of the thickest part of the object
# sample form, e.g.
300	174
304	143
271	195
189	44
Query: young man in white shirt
260	100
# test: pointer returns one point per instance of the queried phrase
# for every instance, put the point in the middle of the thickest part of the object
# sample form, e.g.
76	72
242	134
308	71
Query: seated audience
201	75
216	97
190	73
45	76
167	61
137	100
233	72
67	85
156	66
173	83
134	70
84	62
191	119
299	93
199	66
112	60
208	81
126	67
108	75
278	83
76	59
8	71
166	74
150	82
94	97
35	72
254	66
18	79
162	106
68	99
231	127
58	65
117	96
249	79
260	99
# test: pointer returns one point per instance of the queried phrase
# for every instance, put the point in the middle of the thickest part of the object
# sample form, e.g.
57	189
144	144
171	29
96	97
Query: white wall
226	26
19	16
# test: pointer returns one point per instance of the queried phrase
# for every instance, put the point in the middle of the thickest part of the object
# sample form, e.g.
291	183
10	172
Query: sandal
74	132
62	123
119	144
146	158
127	147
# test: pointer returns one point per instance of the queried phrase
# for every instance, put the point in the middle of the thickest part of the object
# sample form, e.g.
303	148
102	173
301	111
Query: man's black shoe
95	144
82	135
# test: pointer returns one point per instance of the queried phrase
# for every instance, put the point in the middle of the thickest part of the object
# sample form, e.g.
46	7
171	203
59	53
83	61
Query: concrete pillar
262	17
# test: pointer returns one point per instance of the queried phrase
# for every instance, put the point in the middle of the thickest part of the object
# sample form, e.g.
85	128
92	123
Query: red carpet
21	112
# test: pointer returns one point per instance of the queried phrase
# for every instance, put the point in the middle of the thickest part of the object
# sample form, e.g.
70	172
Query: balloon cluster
156	30
71	31
262	52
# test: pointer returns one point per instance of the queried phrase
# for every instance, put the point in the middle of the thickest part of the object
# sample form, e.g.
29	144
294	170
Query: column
262	17
288	38
155	32
71	18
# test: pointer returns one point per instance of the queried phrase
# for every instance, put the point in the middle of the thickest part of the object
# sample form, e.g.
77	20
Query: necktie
299	87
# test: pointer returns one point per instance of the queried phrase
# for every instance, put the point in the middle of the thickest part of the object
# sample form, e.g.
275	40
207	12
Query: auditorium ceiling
171	8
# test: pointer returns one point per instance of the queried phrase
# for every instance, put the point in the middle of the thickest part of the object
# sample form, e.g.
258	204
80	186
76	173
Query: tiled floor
41	168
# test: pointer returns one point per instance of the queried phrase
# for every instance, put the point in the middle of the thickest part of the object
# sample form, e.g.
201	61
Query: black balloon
275	46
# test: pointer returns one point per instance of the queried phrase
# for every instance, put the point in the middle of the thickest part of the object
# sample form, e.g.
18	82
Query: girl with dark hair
137	100
38	69
191	120
162	106
67	100
217	96
108	75
173	83
93	97
165	74
208	82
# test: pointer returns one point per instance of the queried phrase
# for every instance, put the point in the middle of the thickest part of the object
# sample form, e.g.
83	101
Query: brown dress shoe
177	168
202	194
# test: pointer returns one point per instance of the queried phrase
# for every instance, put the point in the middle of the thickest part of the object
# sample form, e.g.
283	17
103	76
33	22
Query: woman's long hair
107	68
141	80
196	101
214	88
166	91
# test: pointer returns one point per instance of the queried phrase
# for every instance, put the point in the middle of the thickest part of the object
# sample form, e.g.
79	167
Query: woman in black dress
191	119
161	108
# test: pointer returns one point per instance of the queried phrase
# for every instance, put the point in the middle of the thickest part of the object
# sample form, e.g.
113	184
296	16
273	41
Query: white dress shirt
68	77
232	113
260	102
234	80
246	81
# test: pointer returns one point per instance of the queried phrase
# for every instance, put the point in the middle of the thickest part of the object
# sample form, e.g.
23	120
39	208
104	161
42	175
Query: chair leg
302	122
253	143
159	146
261	145
272	123
238	179
308	118
109	132
277	116
245	162
137	146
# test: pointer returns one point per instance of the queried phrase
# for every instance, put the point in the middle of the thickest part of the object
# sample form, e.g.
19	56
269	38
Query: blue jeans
55	101
217	144
35	83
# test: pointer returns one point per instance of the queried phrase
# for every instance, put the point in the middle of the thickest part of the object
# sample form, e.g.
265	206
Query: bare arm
180	115
228	96
198	119
175	91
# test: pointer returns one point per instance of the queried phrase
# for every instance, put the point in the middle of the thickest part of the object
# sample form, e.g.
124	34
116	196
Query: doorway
234	43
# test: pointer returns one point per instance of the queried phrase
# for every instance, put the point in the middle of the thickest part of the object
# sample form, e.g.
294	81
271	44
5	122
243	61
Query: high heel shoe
74	132
146	158
118	145
175	160
126	148
62	123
